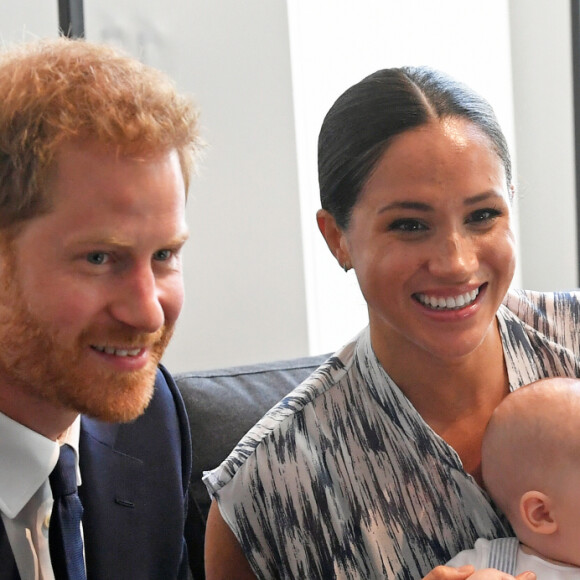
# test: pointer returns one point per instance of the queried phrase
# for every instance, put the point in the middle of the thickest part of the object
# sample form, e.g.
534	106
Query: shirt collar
26	460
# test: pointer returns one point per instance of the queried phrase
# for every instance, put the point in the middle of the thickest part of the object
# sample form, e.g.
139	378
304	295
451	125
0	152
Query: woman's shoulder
541	308
326	380
541	332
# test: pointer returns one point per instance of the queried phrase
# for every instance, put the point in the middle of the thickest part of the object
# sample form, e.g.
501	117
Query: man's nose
138	303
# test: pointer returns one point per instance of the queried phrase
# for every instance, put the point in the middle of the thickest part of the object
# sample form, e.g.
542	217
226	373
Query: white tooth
118	352
450	302
133	352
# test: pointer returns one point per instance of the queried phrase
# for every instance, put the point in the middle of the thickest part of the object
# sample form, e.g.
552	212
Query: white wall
27	19
335	44
544	121
243	265
264	77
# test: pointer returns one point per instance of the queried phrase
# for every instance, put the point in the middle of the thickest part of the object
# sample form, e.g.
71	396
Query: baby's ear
537	511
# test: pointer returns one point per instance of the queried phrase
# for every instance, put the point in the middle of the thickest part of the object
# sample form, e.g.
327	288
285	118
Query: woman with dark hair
371	467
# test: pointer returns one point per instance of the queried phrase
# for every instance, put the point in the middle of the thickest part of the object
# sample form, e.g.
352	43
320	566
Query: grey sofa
222	405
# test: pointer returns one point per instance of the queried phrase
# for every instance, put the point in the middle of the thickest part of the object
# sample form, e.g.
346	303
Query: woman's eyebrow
425	207
482	197
415	205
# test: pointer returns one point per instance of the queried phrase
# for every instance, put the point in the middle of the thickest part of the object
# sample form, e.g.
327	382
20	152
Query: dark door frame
71	20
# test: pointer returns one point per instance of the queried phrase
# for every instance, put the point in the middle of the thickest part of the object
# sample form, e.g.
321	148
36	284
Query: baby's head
531	465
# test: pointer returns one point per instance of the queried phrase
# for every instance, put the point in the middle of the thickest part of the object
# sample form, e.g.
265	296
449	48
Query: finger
450	573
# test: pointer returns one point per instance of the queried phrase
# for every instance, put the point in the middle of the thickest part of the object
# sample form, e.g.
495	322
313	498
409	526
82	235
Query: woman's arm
224	558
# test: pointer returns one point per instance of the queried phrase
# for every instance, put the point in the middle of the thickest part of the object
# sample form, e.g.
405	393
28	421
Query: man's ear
334	236
5	252
537	512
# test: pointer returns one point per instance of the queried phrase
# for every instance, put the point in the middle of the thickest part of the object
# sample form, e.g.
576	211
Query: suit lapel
111	477
134	478
111	493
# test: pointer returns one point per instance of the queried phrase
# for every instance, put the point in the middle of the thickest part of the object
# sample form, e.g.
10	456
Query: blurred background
260	282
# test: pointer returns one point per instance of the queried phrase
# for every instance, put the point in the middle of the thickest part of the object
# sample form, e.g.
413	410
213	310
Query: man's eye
407	225
97	258
162	255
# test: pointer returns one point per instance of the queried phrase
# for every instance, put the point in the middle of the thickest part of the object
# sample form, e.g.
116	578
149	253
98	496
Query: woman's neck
455	396
446	387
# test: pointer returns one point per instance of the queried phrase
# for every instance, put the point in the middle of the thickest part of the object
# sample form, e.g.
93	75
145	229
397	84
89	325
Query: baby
531	468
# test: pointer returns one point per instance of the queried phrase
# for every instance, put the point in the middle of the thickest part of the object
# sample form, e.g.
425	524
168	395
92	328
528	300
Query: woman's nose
455	256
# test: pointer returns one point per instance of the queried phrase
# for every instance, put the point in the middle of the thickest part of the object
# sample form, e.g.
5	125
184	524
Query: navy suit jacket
134	493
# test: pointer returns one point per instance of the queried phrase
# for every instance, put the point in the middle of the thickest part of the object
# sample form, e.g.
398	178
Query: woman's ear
537	512
334	236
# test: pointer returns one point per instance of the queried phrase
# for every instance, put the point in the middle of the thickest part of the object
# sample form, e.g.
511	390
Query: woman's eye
407	225
97	258
482	216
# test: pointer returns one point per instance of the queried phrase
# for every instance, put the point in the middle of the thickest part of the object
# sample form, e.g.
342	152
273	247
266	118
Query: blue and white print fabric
344	480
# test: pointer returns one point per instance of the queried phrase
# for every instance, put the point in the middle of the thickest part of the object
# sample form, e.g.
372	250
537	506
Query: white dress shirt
26	460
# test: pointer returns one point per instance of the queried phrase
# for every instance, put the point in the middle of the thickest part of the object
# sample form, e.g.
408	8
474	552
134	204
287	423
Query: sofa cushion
222	406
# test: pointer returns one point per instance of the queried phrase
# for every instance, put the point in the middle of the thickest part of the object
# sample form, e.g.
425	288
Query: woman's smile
448	302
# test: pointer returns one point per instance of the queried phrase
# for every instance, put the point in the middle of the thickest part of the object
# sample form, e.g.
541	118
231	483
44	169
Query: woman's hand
450	573
464	572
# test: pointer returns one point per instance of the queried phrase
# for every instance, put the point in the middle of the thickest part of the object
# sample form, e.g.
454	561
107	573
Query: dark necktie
8	569
64	533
